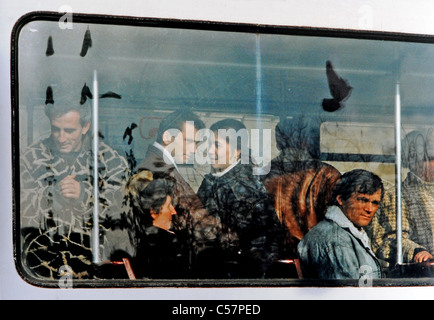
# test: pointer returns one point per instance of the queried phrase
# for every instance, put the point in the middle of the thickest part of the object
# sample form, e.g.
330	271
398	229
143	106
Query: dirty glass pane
196	199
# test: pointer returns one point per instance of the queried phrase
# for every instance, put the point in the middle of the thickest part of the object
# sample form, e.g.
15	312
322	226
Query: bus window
151	153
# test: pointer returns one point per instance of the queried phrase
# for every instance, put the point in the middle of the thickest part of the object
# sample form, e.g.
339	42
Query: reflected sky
161	69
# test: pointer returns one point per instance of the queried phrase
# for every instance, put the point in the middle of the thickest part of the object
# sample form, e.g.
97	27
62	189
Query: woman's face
163	219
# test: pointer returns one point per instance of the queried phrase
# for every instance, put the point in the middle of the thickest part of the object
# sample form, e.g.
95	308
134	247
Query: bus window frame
196	25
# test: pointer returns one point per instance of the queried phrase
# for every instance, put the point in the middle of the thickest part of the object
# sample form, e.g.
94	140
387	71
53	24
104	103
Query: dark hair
176	120
228	124
146	191
63	106
358	180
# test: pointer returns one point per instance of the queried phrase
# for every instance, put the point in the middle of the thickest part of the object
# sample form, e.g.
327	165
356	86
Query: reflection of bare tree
299	133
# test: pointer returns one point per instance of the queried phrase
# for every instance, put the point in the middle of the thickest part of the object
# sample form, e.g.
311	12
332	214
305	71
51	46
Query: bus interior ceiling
258	78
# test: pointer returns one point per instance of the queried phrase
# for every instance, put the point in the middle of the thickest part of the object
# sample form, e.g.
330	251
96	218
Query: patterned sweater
56	231
417	221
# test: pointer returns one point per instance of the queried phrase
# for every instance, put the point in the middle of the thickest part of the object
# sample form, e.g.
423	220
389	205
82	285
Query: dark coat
192	223
161	256
251	233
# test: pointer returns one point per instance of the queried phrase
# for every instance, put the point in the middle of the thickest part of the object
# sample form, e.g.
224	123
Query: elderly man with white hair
417	205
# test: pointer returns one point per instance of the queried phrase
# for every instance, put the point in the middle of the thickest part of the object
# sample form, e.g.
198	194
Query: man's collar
167	157
335	214
221	173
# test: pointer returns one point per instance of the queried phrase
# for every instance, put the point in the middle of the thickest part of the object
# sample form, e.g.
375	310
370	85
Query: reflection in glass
272	83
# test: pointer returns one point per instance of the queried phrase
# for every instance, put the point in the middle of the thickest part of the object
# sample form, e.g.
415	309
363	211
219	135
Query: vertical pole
258	75
398	176
258	78
95	230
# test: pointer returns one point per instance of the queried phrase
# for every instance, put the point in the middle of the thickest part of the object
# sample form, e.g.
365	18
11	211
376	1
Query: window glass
184	193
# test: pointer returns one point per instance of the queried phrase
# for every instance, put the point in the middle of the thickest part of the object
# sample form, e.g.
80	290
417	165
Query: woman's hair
147	191
358	180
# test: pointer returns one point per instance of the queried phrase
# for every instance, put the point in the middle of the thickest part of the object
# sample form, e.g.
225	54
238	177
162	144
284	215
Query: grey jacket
336	249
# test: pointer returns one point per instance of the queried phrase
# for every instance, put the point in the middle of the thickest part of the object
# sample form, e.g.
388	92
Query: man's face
222	154
185	141
67	132
360	208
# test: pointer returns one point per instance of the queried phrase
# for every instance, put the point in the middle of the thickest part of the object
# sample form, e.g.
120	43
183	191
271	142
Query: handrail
95	229
398	176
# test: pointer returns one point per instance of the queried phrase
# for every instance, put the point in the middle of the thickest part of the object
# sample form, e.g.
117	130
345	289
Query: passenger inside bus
251	234
176	145
159	252
56	195
417	205
338	247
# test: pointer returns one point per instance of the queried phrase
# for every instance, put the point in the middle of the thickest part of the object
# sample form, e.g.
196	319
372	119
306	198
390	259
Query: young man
338	247
251	233
57	195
